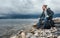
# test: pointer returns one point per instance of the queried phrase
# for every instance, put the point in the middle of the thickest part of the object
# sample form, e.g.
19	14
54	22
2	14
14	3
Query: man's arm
50	12
42	15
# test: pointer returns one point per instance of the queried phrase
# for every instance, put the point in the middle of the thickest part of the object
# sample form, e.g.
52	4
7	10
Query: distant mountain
21	16
56	15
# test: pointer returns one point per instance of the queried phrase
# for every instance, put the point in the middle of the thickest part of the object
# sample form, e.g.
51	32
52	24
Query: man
47	16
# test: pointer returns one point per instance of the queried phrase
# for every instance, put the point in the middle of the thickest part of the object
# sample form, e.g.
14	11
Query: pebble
45	33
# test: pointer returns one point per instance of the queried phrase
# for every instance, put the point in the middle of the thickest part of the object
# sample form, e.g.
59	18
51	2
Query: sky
27	6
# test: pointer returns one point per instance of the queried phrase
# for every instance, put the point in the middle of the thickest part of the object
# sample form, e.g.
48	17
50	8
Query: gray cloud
27	6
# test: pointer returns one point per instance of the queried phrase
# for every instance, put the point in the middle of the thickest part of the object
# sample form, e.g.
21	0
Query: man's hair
45	6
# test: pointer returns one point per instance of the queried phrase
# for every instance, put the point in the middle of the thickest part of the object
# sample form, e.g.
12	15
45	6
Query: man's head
44	7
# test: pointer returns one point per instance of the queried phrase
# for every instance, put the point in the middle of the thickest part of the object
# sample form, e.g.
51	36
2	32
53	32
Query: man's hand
47	16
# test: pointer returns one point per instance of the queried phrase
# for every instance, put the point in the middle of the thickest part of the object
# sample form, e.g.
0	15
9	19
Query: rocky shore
38	33
57	20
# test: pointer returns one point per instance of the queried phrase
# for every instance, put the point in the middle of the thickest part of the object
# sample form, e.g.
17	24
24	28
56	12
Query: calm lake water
10	26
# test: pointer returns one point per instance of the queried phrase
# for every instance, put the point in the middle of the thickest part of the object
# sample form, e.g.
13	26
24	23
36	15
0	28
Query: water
11	26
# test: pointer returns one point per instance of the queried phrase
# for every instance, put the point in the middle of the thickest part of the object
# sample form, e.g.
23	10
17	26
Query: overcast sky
27	6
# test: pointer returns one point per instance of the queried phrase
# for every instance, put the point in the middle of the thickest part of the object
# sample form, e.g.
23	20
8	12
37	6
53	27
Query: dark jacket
50	13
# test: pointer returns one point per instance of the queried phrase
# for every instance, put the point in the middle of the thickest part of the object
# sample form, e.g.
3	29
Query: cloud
53	4
27	6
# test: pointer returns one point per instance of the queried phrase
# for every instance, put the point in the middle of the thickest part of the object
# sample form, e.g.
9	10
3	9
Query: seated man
46	16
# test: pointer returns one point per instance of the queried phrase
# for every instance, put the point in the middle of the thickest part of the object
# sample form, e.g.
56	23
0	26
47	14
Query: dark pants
48	23
51	21
40	24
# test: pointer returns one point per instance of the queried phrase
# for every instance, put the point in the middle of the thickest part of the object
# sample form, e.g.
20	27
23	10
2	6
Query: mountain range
22	16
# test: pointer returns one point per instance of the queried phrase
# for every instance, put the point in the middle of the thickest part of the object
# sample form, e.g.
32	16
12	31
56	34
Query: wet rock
37	33
14	36
58	36
23	35
28	35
